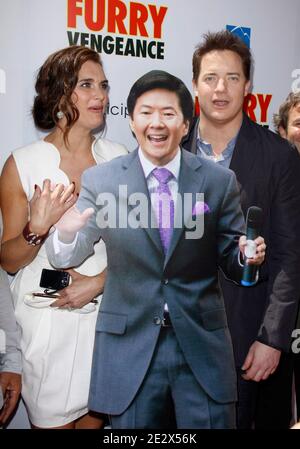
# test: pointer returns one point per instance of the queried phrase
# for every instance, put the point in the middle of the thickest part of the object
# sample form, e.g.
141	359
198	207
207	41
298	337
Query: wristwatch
31	238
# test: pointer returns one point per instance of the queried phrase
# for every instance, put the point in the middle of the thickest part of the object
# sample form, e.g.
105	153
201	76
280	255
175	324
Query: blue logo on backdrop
242	32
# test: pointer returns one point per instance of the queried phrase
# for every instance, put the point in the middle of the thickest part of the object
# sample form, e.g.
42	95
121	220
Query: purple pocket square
200	208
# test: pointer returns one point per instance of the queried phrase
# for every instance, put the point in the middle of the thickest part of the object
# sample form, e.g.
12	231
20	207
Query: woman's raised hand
47	206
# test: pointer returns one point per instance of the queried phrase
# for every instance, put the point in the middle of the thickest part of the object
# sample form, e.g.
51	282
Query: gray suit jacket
140	279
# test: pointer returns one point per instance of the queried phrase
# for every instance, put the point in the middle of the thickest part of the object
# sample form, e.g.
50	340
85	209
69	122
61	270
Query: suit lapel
189	182
135	181
243	158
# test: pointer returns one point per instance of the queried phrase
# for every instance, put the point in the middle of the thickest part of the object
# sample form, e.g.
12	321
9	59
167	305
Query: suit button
157	320
166	281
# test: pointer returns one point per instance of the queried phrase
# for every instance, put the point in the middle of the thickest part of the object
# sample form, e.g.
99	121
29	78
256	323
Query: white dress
57	345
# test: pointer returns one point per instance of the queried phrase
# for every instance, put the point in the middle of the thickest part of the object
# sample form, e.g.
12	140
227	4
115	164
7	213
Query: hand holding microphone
252	246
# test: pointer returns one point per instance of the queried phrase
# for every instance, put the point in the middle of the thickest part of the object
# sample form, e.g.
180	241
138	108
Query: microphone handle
249	271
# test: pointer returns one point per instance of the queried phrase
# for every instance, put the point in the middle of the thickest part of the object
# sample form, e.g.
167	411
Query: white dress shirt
173	166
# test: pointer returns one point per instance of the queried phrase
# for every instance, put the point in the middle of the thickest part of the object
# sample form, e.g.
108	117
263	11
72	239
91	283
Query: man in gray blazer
163	356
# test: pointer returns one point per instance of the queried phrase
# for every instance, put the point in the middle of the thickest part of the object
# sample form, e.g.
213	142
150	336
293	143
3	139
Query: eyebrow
92	80
228	73
163	108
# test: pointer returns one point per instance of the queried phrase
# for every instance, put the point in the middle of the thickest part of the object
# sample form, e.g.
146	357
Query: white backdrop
30	30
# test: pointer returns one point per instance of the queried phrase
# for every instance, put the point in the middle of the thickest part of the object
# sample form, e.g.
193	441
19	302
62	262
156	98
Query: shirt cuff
65	248
11	362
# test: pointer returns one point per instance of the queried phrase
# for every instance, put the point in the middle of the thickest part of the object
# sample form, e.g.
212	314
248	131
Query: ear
282	132
247	88
186	127
131	124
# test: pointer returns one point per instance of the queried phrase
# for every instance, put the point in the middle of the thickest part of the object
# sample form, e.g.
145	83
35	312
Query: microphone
253	225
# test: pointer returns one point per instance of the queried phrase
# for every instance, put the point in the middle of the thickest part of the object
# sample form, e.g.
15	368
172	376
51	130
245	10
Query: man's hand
11	388
261	361
259	256
71	222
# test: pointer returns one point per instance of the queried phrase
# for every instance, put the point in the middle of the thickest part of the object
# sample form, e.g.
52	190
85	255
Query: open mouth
220	103
157	138
96	109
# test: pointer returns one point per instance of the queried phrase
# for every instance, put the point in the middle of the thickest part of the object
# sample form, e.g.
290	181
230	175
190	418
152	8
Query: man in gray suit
163	356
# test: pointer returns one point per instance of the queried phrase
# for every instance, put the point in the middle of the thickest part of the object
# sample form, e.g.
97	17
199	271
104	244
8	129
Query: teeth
220	102
157	138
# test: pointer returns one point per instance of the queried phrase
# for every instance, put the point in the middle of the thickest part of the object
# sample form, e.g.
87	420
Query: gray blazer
140	279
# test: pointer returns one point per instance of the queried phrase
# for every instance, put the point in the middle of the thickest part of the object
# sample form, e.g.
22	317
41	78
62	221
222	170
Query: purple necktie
164	206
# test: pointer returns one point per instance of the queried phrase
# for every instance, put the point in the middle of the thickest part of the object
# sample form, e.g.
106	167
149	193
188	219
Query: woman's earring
60	115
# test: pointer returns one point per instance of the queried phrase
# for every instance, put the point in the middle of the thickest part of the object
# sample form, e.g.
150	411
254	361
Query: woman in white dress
57	339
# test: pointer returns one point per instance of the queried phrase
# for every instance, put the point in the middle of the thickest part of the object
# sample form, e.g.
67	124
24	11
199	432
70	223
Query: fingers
243	240
248	361
261	246
87	213
72	273
267	374
61	302
37	193
64	196
260	252
57	191
258	372
253	375
68	193
259	257
46	186
64	301
10	402
256	375
259	241
242	243
69	203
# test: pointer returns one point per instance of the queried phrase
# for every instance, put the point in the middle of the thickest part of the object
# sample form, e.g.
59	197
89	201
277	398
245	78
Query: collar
173	166
206	150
